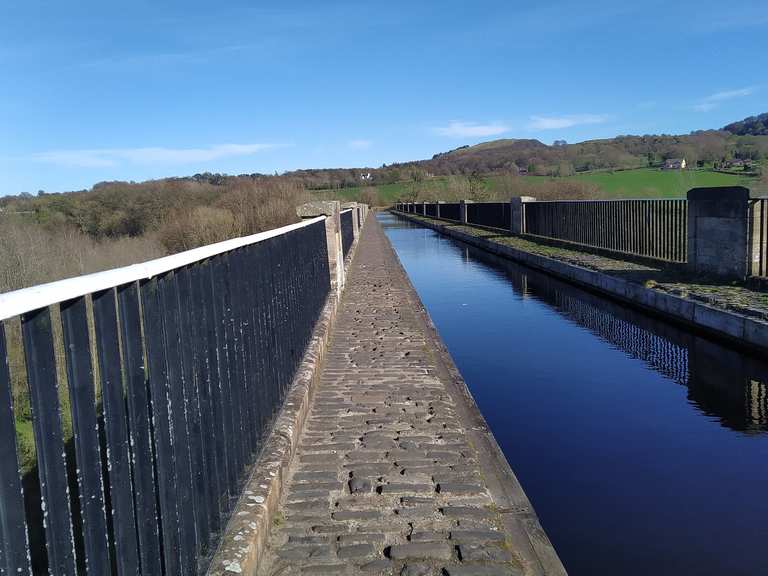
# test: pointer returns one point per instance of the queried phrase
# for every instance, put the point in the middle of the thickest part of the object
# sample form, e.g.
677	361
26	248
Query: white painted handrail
35	297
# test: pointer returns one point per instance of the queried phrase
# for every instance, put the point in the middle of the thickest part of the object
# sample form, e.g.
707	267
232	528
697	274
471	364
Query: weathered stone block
433	550
317	208
356	551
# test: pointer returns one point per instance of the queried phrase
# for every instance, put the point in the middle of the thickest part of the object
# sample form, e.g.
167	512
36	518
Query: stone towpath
395	471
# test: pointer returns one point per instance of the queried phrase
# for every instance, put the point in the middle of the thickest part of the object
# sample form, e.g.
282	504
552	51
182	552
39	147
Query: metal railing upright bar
174	370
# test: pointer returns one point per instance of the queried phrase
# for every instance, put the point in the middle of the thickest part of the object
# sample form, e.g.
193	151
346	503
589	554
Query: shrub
188	228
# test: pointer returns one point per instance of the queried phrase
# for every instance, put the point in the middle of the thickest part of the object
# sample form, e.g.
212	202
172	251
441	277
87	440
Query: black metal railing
173	376
655	229
489	214
450	211
447	211
347	231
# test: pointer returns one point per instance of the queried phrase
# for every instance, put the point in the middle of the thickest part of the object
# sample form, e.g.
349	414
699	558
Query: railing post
338	247
437	209
758	236
718	235
463	210
331	209
517	213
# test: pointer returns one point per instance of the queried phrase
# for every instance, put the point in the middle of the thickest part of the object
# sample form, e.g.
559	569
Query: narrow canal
642	446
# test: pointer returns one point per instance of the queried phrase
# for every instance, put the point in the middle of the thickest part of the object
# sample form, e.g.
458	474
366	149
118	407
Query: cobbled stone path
384	480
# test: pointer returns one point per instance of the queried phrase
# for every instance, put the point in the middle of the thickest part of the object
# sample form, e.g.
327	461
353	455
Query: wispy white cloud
95	158
567	121
458	129
360	144
713	100
704	106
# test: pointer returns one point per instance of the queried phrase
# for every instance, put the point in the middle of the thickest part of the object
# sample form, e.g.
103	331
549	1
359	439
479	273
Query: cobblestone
434	550
384	471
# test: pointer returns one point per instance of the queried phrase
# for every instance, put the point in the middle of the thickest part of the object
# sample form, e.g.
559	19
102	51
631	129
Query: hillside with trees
745	140
623	152
51	236
752	126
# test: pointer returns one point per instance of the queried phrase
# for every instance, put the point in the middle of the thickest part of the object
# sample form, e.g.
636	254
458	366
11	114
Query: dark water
643	447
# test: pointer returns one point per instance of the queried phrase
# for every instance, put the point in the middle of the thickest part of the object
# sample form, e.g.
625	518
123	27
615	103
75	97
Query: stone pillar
718	232
517	213
437	208
424	208
338	248
463	210
331	209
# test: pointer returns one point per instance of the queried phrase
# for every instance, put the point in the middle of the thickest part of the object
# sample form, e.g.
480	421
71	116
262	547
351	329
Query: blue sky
93	91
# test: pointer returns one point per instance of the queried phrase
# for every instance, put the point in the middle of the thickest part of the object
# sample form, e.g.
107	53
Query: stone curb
245	536
520	522
732	326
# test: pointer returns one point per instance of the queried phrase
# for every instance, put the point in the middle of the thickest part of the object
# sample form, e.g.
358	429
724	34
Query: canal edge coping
521	524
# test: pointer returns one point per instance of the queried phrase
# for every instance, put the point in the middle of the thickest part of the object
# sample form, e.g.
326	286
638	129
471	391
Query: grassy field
640	183
388	193
652	183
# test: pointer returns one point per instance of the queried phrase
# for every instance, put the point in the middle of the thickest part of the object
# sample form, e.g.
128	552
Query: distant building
738	163
674	164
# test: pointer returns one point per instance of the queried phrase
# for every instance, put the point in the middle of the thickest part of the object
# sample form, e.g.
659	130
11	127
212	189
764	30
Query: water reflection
722	382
